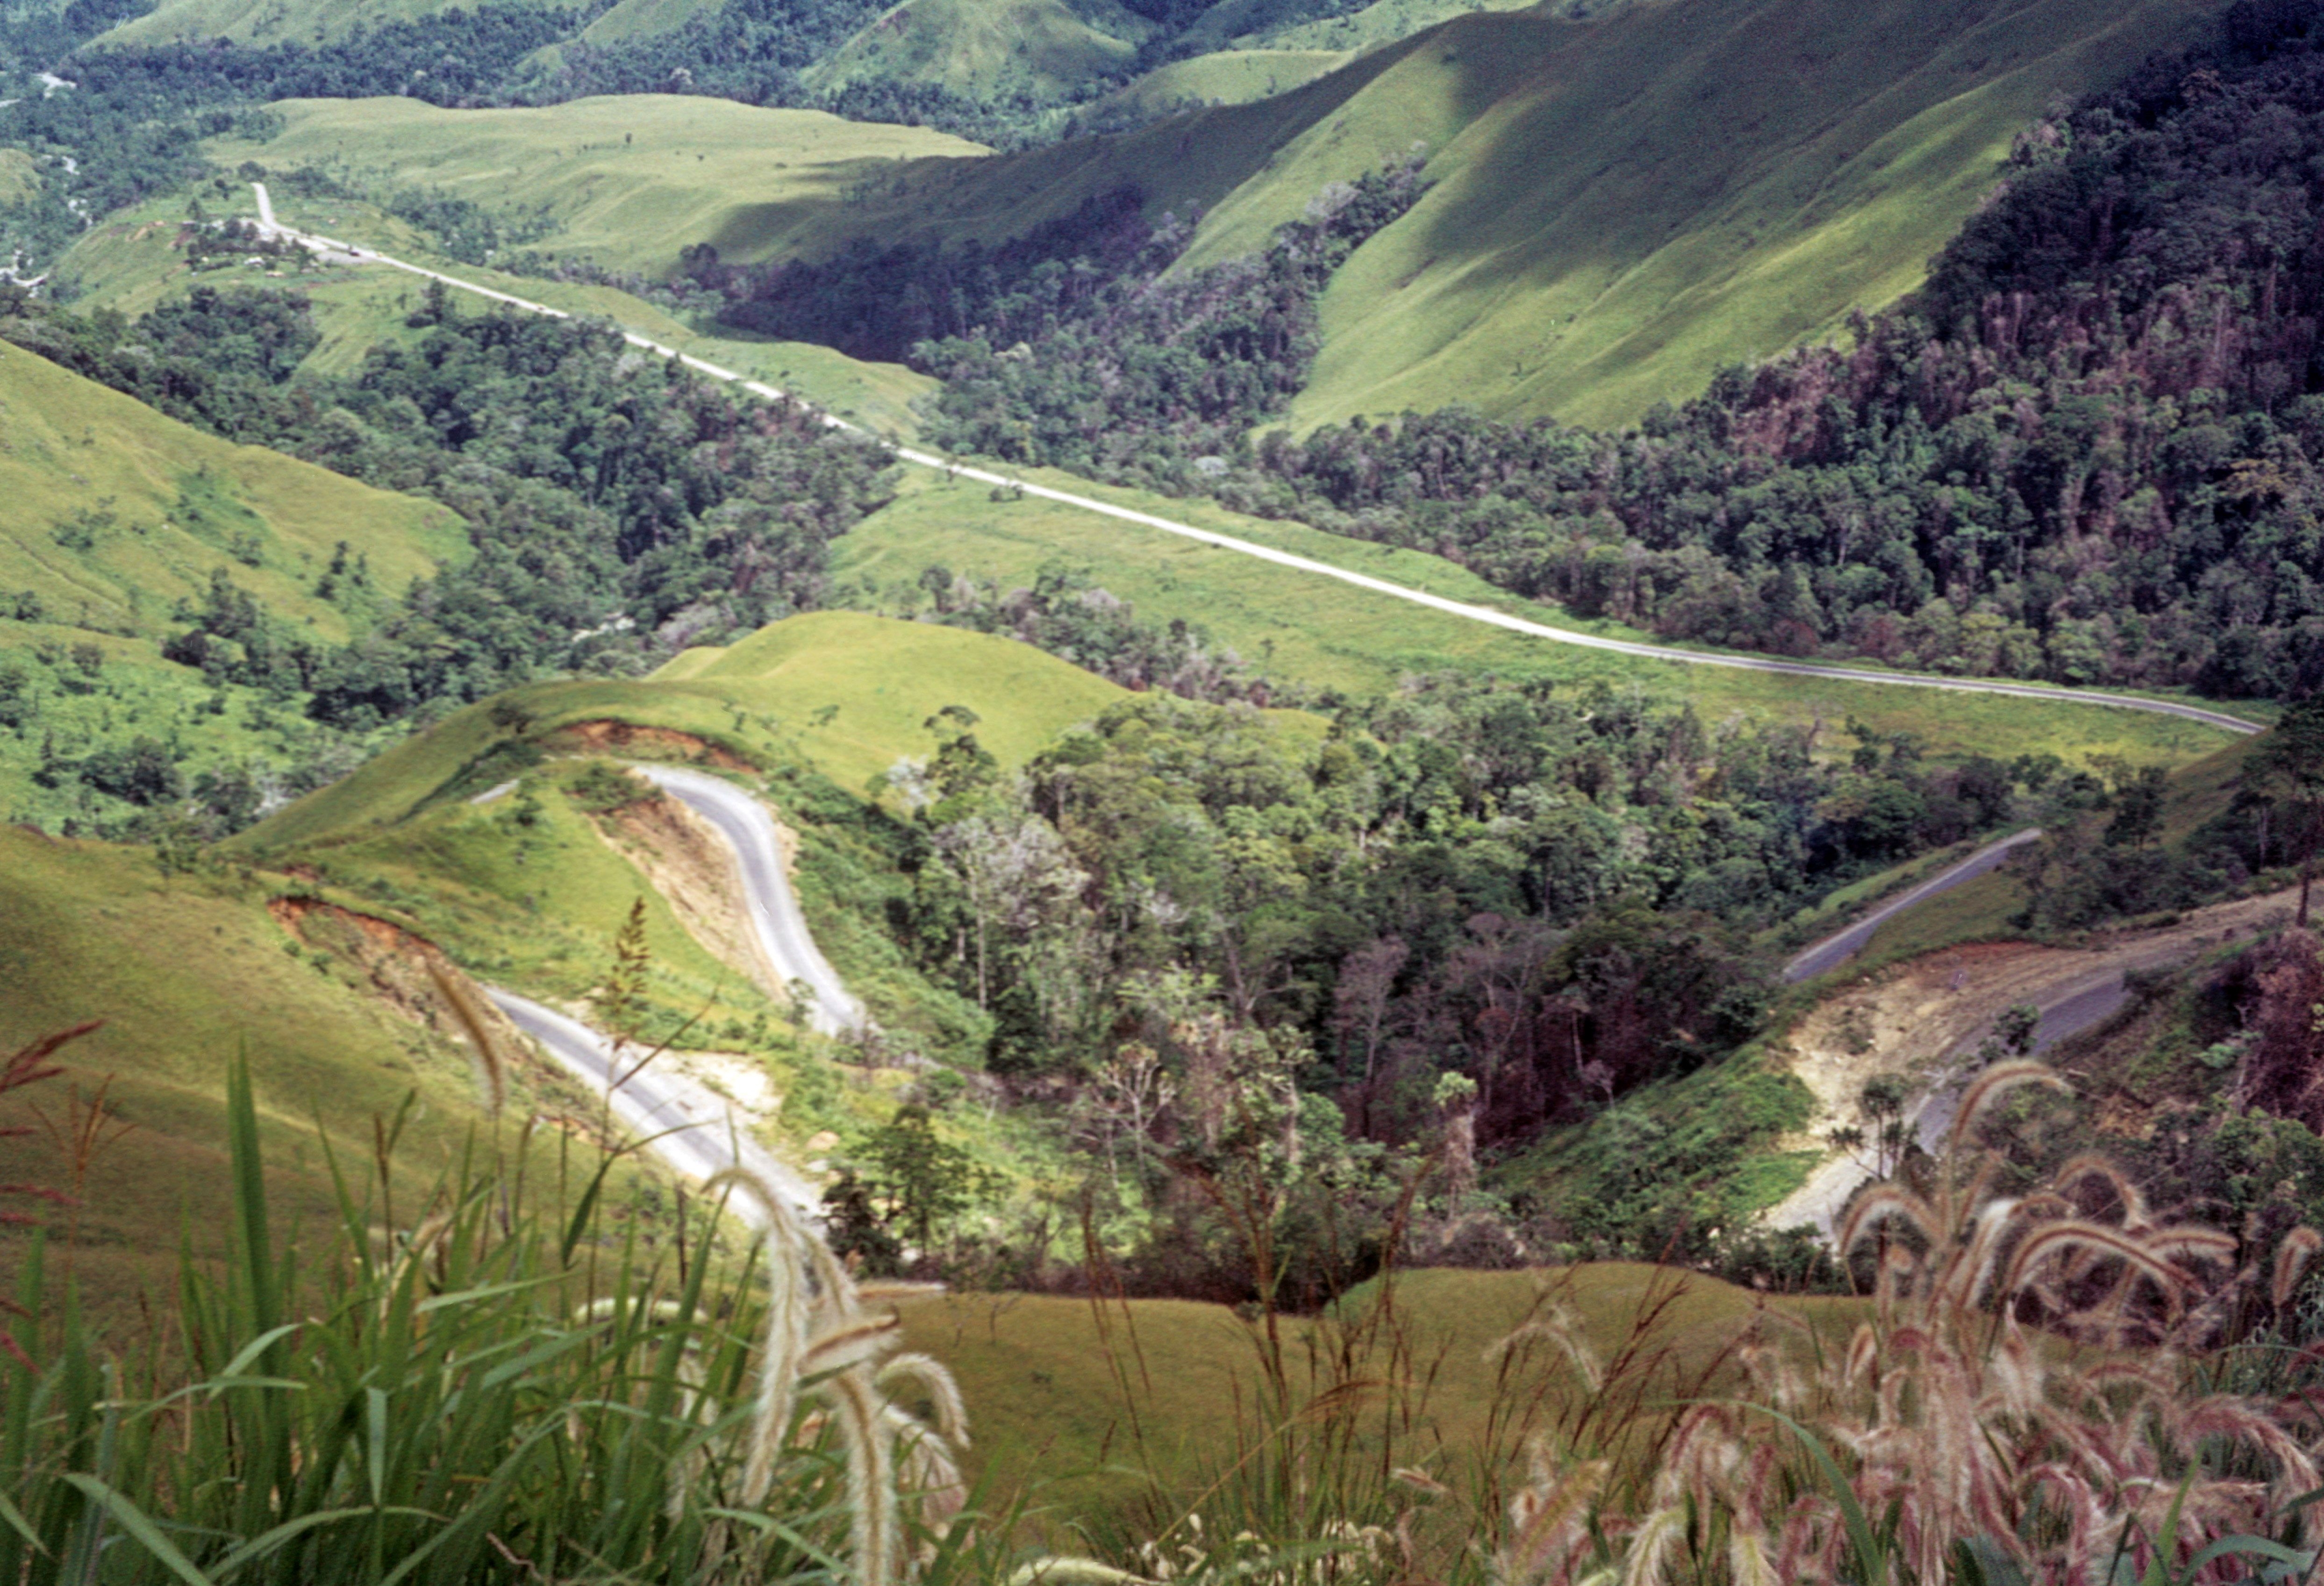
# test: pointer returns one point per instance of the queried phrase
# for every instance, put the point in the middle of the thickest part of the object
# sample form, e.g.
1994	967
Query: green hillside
628	180
638	19
269	22
880	680
116	512
131	261
116	517
1649	197
1081	1405
990	48
189	976
1622	203
526	887
19	177
1270	24
528	890
1227	77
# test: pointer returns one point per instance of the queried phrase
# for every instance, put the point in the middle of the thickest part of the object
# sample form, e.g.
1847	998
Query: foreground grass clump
498	1383
2049	1392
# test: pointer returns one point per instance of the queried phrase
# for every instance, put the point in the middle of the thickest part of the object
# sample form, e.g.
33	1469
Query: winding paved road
690	1126
2077	989
749	831
1842	945
1283	559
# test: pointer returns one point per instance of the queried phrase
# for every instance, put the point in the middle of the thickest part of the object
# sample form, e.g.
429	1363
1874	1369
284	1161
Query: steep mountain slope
1623	205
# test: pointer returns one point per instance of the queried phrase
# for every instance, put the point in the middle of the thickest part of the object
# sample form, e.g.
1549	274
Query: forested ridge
619	505
2087	450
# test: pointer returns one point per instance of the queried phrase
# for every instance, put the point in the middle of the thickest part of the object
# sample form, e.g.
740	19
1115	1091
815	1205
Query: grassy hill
1090	1409
1270	24
20	179
1226	76
638	19
989	48
1626	203
115	513
116	516
268	21
628	180
528	890
1651	197
829	701
189	976
880	679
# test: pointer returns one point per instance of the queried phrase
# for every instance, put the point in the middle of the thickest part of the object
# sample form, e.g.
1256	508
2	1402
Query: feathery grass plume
1557	1324
820	1339
872	1502
28	1065
490	1069
1988	1088
1550	1541
1073	1572
928	1375
1964	1432
784	1343
2292	1261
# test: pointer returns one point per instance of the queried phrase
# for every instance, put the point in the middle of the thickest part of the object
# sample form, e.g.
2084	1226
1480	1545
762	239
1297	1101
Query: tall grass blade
137	1524
1871	1557
20	1525
289	1531
2245	1548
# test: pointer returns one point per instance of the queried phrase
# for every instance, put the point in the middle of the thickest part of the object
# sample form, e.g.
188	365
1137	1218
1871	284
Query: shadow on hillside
1729	131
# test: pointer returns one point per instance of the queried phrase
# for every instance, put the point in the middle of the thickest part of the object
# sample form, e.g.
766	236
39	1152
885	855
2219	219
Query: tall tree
2287	770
